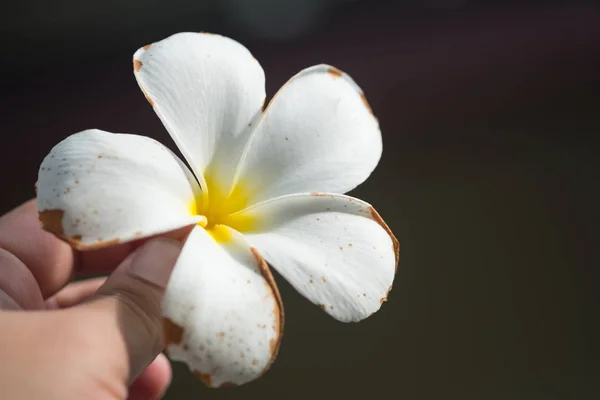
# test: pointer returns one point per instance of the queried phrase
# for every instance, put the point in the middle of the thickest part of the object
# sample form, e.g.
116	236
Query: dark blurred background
489	175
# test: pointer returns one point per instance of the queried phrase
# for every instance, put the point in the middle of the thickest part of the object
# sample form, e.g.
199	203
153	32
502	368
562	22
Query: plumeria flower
265	189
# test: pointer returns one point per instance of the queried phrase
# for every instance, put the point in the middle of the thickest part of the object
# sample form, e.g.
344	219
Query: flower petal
223	313
206	89
97	188
334	249
317	134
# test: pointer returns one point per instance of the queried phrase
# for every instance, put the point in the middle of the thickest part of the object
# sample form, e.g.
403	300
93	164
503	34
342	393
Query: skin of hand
95	339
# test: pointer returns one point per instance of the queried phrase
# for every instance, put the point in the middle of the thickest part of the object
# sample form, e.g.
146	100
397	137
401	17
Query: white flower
265	186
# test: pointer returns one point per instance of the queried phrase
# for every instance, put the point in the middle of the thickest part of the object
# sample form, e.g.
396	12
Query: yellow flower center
220	205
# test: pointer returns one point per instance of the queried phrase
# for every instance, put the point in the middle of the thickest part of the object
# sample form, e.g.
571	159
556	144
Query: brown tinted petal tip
366	103
377	218
279	317
148	97
146	47
137	65
204	378
384	299
173	332
75	242
52	221
334	72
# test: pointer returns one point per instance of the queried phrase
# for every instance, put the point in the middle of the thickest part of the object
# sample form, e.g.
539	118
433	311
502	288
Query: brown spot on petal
146	47
138	233
221	335
322	307
323	279
52	221
173	332
334	72
377	218
254	362
366	103
137	65
204	378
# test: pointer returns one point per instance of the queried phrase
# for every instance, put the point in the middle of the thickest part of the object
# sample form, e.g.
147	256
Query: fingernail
154	261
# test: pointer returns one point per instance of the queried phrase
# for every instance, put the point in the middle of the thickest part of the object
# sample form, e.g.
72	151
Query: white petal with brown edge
318	134
206	89
97	188
334	249
222	309
223	313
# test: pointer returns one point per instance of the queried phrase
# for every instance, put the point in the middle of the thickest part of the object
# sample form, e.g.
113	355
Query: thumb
127	308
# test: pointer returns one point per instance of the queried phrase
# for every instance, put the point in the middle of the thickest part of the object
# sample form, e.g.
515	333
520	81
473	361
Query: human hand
95	339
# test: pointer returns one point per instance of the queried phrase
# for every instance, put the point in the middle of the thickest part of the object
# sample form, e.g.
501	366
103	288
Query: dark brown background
489	175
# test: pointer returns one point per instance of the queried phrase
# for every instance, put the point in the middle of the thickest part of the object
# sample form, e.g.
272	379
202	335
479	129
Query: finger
153	382
74	293
17	284
105	260
128	307
42	253
7	302
51	261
